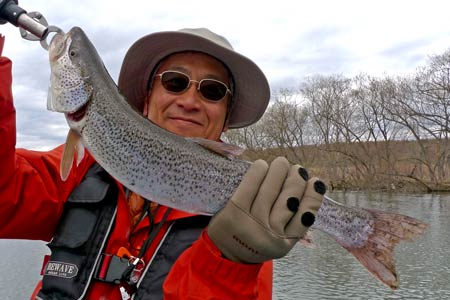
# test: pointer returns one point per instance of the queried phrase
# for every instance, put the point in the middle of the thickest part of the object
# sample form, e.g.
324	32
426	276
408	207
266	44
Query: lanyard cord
145	211
151	236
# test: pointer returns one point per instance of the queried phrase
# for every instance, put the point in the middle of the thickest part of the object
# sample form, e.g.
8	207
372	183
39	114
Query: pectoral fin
80	151
73	145
307	240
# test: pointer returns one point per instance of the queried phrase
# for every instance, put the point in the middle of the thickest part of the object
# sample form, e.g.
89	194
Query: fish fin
80	151
68	154
308	241
224	149
377	254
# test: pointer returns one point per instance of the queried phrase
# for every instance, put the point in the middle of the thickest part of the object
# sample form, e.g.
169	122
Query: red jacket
32	197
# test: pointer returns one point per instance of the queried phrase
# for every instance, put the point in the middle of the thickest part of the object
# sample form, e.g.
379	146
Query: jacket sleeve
31	191
202	273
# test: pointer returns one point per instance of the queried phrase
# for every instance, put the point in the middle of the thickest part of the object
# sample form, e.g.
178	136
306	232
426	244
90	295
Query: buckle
110	268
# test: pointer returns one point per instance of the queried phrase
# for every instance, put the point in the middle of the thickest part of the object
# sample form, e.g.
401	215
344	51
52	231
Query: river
325	272
330	272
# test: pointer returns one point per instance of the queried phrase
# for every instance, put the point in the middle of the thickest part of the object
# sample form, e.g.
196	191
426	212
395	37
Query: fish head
71	87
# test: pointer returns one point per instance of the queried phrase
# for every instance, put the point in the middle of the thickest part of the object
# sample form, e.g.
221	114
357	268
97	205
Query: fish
194	175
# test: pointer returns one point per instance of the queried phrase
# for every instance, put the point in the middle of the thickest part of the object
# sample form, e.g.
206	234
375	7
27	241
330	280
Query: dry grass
397	165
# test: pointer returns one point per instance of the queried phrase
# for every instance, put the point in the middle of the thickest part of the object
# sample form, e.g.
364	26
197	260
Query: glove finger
288	202
310	204
270	189
249	186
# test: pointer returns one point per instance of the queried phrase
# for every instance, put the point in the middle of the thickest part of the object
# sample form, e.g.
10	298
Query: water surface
327	272
330	272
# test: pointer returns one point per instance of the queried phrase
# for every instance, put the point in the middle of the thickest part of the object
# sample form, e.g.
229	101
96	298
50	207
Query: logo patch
60	269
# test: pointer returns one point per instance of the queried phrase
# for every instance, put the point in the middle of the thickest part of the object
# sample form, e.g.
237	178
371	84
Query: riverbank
395	166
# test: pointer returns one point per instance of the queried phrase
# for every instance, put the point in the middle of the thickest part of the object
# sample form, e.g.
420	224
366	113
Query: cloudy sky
287	39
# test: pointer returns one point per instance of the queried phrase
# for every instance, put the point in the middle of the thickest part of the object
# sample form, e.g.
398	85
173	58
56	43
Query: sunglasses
178	82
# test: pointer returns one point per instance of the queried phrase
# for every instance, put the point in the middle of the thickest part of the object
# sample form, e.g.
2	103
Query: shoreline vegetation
362	133
362	167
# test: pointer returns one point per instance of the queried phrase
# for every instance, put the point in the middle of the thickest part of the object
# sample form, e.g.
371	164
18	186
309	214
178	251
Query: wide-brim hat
251	93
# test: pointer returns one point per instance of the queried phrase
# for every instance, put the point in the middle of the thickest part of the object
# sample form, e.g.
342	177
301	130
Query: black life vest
83	231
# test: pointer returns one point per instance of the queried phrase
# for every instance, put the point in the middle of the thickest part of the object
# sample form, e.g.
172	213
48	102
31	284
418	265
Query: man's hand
270	211
2	42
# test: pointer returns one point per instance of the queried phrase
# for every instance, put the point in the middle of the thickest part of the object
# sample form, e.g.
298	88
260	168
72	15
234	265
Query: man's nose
191	98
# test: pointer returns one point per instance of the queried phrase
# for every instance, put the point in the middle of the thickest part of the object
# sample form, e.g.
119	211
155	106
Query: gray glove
270	211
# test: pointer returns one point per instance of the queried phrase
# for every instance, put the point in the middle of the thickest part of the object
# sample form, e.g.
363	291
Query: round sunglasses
178	82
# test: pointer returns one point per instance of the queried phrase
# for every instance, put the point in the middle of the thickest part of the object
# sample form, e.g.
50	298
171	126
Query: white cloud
287	39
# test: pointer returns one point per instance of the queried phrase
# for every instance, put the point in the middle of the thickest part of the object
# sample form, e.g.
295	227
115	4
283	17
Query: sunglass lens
174	82
213	90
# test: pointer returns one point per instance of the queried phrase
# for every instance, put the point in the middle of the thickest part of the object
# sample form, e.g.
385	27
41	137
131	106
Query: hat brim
251	93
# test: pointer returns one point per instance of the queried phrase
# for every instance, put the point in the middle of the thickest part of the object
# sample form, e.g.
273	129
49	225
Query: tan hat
251	93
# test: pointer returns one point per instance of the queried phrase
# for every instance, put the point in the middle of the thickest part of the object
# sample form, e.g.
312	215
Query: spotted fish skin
161	166
68	90
178	172
157	164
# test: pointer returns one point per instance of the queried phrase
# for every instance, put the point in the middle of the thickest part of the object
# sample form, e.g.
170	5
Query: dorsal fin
224	149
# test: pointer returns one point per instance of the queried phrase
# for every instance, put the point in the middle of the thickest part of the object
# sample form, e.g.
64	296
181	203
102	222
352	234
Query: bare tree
362	130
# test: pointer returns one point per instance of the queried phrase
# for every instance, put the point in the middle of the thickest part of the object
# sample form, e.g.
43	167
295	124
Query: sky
289	40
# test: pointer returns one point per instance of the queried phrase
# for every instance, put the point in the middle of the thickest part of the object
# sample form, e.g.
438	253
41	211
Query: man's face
189	113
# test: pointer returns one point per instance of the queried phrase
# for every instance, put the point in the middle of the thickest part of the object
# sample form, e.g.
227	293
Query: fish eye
72	53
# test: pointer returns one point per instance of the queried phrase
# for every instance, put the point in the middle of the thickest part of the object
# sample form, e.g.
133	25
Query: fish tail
377	254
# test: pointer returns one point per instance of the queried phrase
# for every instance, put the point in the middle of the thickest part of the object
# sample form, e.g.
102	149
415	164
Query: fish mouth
78	114
59	45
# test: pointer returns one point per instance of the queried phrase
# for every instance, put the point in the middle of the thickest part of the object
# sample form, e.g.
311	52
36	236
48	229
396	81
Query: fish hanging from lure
193	175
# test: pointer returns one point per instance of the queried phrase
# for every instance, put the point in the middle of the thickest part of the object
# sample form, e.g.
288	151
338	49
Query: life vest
82	233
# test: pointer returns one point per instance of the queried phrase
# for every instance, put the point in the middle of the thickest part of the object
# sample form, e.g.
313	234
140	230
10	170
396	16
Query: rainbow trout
185	173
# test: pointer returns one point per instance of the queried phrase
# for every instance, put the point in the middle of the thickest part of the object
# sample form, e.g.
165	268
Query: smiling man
108	242
188	106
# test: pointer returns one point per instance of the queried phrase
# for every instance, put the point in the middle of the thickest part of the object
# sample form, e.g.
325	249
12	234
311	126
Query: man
110	243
